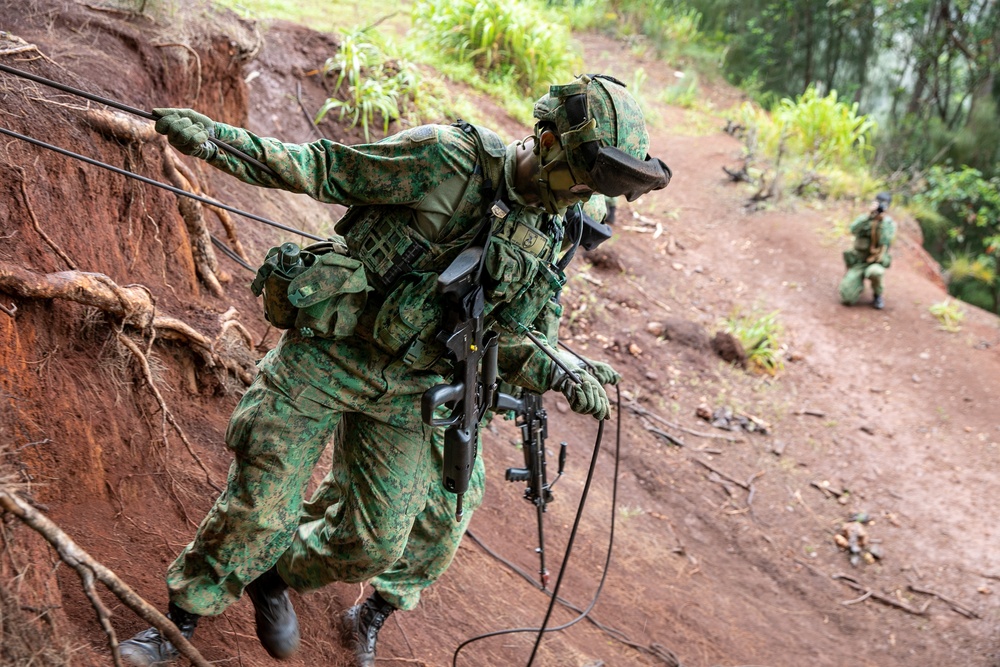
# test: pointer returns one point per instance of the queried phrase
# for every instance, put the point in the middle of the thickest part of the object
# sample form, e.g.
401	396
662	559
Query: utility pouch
329	296
281	265
408	319
851	258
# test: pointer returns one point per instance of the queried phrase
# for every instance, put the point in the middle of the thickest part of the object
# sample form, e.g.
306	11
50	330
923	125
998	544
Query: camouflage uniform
867	260
381	511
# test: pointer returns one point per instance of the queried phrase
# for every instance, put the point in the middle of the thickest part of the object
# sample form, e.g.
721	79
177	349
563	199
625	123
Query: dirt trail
719	570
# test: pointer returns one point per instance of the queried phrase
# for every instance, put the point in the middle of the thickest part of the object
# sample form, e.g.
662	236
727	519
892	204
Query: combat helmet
602	143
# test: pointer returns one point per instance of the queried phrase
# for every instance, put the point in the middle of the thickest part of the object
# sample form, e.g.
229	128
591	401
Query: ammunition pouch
329	296
324	298
851	258
408	321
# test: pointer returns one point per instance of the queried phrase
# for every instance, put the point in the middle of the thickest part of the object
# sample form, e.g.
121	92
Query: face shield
595	119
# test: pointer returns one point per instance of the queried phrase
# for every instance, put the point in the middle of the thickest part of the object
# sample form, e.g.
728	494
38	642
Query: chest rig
402	265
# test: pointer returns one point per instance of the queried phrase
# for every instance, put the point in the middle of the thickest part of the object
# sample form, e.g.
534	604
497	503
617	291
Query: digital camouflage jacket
421	195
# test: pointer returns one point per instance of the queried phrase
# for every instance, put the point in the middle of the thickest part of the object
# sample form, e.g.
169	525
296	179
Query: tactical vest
403	316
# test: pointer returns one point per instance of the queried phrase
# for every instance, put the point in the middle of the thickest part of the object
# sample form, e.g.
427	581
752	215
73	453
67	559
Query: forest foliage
852	95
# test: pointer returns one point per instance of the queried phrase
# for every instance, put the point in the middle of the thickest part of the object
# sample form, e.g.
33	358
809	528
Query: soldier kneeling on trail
868	260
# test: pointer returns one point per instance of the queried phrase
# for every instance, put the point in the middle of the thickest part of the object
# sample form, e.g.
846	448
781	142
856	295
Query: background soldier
363	348
873	234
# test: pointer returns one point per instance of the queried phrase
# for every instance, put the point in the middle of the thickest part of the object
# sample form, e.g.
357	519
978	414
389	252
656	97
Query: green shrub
949	315
376	84
760	333
506	39
823	141
959	213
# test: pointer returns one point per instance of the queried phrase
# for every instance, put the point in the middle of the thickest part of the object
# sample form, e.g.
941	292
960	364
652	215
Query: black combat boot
359	628
149	649
277	625
878	303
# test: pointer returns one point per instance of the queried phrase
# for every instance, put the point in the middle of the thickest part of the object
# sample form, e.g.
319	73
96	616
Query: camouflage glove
188	131
604	373
586	398
601	371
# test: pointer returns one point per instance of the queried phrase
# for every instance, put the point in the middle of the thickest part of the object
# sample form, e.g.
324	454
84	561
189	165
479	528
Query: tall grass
824	142
376	85
512	41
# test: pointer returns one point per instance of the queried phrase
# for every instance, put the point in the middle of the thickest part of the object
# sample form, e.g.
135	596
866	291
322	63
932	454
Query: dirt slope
716	572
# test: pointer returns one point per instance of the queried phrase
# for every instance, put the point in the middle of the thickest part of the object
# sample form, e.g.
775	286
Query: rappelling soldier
362	346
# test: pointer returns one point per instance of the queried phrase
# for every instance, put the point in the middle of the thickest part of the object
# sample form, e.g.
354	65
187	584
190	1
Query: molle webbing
385	240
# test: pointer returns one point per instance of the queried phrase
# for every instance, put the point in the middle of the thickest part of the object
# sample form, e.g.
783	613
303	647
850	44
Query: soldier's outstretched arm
401	169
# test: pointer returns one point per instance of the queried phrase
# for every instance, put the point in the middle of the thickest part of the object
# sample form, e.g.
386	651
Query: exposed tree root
90	570
167	415
135	307
138	132
38	228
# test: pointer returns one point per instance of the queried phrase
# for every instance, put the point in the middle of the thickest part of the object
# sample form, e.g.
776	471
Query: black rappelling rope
150	181
653	650
132	110
569	547
231	254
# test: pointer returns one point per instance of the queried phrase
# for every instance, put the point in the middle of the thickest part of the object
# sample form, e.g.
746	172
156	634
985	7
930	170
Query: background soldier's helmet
602	137
883	199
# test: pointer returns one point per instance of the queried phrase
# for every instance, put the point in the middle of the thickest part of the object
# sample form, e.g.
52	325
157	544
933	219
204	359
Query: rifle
474	353
533	420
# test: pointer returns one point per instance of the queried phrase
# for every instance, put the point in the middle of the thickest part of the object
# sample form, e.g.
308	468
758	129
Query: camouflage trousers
380	514
853	282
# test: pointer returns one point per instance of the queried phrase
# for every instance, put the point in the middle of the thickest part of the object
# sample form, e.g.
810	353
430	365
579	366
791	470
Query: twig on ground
643	292
82	562
743	485
884	599
848	603
634	407
9	311
957	607
663	434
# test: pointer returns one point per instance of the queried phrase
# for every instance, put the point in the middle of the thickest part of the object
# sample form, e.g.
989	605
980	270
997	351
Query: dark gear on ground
277	625
600	144
359	628
150	649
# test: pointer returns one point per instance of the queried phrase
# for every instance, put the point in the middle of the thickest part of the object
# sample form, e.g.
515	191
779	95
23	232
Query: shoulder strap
492	154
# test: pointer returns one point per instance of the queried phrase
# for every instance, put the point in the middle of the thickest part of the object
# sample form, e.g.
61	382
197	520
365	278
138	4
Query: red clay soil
724	550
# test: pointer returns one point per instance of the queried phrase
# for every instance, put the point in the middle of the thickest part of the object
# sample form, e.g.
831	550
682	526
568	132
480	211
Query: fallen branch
89	569
635	408
9	311
884	599
666	436
743	485
955	606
